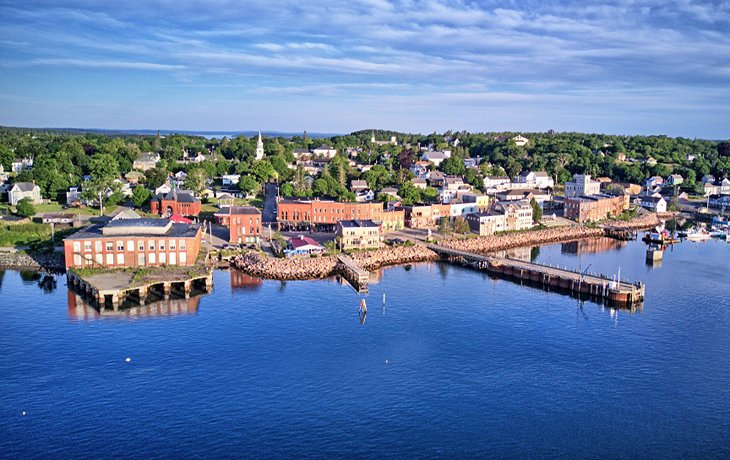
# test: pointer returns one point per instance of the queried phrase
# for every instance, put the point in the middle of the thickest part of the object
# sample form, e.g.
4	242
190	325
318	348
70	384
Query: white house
582	185
26	164
539	179
653	203
496	182
434	157
230	179
146	161
520	141
20	190
324	151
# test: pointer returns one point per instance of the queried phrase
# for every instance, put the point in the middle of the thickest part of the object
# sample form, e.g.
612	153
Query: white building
434	157
520	141
539	179
653	203
582	185
324	151
230	179
20	190
517	214
496	182
260	148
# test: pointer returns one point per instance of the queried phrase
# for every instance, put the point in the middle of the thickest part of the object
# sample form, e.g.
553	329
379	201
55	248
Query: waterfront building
393	220
654	203
517	214
425	215
358	234
596	207
303	245
482	201
175	202
243	222
461	209
486	223
582	185
324	214
20	190
139	242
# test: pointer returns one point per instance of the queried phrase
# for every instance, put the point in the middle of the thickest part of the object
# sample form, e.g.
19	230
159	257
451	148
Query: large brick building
243	222
595	207
175	202
133	243
324	214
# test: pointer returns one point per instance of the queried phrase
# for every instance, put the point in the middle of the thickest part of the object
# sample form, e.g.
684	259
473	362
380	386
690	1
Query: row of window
141	245
111	260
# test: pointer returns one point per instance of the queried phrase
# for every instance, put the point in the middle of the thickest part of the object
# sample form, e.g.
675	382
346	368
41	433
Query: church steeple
259	148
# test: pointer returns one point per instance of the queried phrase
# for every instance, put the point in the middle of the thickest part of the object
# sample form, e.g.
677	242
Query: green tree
453	166
461	226
141	195
536	210
249	185
25	208
445	227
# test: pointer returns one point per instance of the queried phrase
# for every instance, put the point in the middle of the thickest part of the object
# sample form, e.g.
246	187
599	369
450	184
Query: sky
420	66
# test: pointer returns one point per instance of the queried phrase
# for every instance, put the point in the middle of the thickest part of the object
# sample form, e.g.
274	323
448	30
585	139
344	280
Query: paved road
269	211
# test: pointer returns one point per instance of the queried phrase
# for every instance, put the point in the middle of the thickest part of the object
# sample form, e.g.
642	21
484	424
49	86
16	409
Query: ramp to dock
352	272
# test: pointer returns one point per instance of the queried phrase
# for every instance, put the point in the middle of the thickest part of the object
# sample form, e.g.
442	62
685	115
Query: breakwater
639	223
486	244
51	262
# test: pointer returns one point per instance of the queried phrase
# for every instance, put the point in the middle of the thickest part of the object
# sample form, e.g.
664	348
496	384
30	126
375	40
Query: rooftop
137	227
358	223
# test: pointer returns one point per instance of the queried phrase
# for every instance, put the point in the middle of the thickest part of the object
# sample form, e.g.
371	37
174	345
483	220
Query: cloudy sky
615	66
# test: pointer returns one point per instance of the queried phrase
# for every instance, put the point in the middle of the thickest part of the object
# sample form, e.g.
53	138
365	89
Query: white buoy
386	361
24	413
128	359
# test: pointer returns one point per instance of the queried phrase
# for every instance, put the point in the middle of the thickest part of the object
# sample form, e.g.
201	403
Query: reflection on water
240	280
80	309
591	246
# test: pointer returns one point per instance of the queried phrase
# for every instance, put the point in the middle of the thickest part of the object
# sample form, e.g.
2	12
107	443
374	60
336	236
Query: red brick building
595	207
175	202
243	222
324	214
133	243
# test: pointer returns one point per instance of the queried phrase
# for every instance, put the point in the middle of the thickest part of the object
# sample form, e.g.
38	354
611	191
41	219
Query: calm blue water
457	364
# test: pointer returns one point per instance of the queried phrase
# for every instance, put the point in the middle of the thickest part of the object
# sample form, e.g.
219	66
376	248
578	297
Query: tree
453	166
156	176
445	227
249	185
25	208
141	195
461	225
536	210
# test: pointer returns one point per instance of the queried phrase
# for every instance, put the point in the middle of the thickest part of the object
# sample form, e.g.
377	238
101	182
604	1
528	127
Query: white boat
698	235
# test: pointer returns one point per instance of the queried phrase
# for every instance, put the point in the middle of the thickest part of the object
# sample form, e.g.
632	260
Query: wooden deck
358	277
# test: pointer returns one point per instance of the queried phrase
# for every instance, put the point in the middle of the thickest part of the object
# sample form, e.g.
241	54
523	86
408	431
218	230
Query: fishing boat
698	234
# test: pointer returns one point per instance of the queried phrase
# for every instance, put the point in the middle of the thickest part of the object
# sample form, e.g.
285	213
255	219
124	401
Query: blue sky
621	66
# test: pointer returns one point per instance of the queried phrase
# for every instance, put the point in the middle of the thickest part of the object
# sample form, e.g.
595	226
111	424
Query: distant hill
166	132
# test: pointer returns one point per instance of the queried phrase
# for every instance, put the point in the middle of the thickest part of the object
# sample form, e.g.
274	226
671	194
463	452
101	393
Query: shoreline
312	268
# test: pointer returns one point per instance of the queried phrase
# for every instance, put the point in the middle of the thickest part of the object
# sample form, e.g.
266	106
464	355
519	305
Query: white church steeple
259	148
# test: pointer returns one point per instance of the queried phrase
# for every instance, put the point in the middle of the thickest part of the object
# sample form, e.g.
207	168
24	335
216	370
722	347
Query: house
62	219
496	182
420	169
621	157
20	190
423	216
140	242
175	202
595	207
301	153
520	141
391	191
538	179
582	185
434	157
471	162
364	195
3	175
486	223
675	179
653	181
419	183
436	179
358	234
230	179
225	199
480	200
134	177
461	209
324	151
517	214
358	185
303	245
26	164
73	196
721	202
651	161
146	161
243	222
708	178
653	203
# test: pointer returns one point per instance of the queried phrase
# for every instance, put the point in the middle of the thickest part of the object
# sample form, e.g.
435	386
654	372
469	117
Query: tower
259	148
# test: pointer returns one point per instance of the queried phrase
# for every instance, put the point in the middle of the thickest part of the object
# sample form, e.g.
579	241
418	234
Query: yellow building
358	234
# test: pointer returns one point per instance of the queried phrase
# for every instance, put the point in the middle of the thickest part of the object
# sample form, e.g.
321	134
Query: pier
599	286
352	272
117	287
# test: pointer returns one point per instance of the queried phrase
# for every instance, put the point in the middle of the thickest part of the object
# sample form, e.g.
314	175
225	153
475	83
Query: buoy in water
127	359
23	413
363	306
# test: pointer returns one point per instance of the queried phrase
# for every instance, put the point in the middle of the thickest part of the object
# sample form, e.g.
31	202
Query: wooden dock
621	292
358	277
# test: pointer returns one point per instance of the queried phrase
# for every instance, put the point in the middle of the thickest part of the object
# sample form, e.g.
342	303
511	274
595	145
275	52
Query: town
171	200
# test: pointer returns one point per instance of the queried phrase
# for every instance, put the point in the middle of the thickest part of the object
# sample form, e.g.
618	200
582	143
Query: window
173	259
161	245
130	245
87	246
77	259
140	259
163	258
151	258
110	246
172	246
99	259
151	245
120	258
182	244
120	245
140	245
109	259
97	245
77	247
183	258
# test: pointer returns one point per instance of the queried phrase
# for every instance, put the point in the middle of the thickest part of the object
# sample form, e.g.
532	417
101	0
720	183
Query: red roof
178	219
300	241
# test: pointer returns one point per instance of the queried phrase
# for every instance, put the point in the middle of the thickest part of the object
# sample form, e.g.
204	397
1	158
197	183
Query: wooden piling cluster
138	294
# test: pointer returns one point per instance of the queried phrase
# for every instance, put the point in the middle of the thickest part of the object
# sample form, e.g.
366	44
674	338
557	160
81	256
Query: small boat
698	235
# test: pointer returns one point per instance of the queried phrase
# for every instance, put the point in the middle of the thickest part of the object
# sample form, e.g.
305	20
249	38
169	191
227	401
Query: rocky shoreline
21	260
487	244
